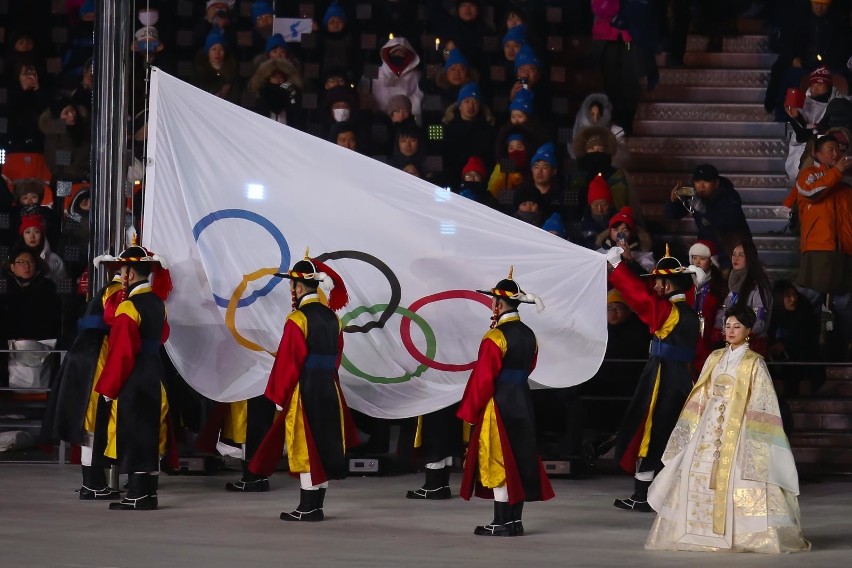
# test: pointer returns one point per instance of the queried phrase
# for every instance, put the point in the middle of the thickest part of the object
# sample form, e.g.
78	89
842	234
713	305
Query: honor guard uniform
666	380
502	460
313	419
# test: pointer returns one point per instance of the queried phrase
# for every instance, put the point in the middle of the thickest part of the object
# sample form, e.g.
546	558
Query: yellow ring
231	311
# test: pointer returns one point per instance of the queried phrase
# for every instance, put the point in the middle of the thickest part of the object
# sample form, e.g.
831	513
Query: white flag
232	197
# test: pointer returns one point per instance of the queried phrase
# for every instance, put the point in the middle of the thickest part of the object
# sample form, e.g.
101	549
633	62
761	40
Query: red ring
405	327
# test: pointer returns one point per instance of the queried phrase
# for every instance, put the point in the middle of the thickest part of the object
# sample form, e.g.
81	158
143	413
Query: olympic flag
232	197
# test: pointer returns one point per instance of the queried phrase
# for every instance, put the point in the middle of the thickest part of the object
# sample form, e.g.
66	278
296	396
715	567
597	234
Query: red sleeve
650	308
289	360
339	350
124	345
166	332
480	385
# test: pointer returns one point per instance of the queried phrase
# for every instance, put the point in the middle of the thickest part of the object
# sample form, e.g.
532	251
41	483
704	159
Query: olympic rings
396	288
283	247
407	315
405	328
230	312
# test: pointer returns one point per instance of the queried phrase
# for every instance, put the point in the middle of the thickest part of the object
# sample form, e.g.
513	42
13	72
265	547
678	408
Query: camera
290	89
621	236
524	82
686	192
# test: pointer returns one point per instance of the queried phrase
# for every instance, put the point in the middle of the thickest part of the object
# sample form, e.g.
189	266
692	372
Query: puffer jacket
825	209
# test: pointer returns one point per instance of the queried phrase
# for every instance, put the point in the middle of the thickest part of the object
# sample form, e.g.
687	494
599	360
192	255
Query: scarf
736	279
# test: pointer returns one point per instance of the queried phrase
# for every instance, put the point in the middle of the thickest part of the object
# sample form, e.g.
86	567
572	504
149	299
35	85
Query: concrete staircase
711	111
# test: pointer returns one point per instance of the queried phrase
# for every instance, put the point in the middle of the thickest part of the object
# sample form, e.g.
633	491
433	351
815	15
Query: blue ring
284	248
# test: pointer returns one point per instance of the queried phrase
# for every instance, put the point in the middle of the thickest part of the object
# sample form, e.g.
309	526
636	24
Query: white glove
613	256
106	398
699	277
279	408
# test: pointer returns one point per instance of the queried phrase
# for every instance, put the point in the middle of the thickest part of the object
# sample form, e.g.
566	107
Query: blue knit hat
214	37
88	7
556	225
334	11
259	9
518	34
456	57
545	153
470	90
524	102
526	56
516	136
275	41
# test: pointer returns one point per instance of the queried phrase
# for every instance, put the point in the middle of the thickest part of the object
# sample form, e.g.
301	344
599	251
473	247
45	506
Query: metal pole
109	129
109	135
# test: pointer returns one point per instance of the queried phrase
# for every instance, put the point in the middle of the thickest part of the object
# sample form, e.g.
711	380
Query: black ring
396	289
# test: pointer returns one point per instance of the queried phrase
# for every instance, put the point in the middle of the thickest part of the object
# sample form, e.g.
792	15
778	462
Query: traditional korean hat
510	290
161	283
315	273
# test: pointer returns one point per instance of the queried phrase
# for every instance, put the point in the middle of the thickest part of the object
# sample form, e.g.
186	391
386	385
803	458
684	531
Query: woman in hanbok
729	481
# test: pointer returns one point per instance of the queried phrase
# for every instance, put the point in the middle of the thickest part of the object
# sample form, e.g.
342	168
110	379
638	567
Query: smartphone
686	191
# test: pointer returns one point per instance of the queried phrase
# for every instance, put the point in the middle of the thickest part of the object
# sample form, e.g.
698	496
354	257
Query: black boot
138	496
95	485
310	507
502	525
639	500
153	485
515	513
437	485
249	482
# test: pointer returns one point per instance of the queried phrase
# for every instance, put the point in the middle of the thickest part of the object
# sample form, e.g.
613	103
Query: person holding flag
502	460
313	418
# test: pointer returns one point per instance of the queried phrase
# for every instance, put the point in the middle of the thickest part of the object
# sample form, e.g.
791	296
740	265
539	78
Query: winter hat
518	34
707	249
556	225
227	3
88	7
625	215
526	56
524	194
545	153
599	189
456	57
820	75
335	10
516	136
523	102
274	41
615	297
469	91
213	38
705	172
22	187
59	104
32	221
398	102
474	164
259	9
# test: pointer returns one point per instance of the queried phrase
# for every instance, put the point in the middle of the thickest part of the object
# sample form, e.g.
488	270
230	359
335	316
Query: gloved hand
699	277
279	408
613	256
106	398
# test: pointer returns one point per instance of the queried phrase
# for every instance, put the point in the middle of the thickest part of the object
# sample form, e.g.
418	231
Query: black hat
669	266
131	255
705	172
313	273
508	289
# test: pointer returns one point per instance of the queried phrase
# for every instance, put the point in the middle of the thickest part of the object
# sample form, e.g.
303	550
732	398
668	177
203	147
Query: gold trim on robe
492	468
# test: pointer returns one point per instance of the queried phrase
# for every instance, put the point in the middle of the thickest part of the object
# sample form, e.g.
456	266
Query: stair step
725	78
834	422
729	60
752	212
749	195
686	226
691	146
702	112
670	177
820	439
824	460
713	94
730	129
650	162
836	388
738	44
821	406
839	373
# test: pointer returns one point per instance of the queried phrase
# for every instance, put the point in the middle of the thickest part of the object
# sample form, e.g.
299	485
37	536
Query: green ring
431	344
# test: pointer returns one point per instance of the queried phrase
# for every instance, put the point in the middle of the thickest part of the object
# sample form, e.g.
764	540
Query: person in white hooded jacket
398	75
803	121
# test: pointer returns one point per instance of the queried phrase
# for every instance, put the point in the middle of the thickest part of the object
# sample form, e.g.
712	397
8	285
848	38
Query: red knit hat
30	221
820	75
474	164
599	189
625	215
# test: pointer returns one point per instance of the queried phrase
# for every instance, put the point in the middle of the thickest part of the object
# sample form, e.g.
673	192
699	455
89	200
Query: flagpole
109	126
109	130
